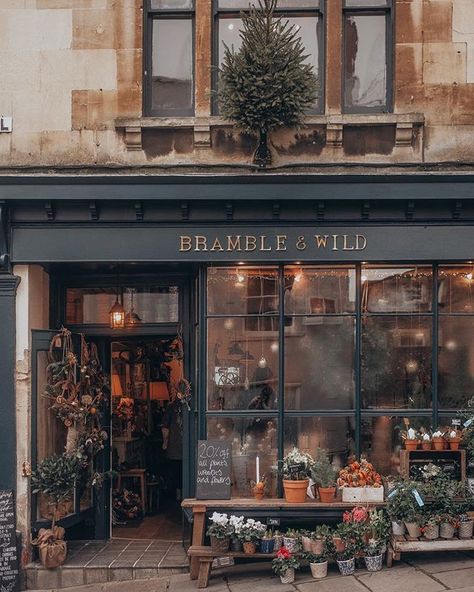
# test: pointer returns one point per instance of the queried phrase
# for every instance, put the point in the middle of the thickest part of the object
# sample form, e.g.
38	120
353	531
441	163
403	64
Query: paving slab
433	563
458	578
340	584
185	584
399	578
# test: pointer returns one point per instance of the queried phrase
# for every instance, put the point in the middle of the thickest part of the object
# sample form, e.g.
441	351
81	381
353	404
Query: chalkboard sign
213	469
8	549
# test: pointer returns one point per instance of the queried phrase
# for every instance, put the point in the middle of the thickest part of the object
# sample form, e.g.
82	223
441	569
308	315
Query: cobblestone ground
426	572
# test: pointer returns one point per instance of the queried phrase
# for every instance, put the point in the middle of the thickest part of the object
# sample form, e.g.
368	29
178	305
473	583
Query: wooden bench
404	544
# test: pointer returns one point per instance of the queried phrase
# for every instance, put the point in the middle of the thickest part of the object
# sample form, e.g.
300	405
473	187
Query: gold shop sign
264	243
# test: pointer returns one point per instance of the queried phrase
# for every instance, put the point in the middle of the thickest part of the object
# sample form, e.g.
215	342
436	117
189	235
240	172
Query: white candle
258	469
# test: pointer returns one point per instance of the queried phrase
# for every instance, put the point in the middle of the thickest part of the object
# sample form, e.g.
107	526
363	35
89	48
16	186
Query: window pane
172	66
250	437
455	361
323	290
334	434
405	289
142	305
456	289
171	4
365	77
242	366
243	290
357	3
243	4
396	362
319	363
381	440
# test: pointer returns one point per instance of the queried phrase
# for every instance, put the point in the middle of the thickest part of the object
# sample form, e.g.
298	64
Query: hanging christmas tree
267	83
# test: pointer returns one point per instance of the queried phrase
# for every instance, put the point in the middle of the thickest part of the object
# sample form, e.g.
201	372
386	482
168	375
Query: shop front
307	324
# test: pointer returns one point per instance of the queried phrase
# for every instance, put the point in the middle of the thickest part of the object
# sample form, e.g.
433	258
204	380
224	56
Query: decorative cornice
8	284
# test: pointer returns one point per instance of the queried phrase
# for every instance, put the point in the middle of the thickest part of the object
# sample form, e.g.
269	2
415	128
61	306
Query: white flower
411	434
220	519
426	437
453	434
438	434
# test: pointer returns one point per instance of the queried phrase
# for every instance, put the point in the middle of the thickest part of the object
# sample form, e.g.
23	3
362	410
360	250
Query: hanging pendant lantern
117	315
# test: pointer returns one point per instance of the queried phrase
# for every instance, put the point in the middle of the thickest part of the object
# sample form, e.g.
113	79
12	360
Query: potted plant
401	506
324	476
219	532
258	488
318	564
411	438
438	440
454	439
251	531
346	560
373	554
378	525
284	565
305	539
54	478
277	535
296	470
340	536
466	526
319	539
267	542
291	540
426	443
235	526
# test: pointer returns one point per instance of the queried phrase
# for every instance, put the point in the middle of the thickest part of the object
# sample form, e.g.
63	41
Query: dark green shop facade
314	310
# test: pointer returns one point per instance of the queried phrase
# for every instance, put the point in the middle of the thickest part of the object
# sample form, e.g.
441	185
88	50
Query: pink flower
283	553
359	514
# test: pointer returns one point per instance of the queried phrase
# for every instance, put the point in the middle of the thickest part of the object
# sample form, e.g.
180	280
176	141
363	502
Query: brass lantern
117	315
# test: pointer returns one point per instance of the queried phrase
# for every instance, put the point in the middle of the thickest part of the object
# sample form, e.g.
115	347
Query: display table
274	506
404	544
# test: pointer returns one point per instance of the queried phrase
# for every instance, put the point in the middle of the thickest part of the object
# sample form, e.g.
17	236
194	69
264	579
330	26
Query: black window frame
151	14
319	11
389	11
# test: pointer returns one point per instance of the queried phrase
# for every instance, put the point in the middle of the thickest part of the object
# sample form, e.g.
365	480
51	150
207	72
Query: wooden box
452	462
362	494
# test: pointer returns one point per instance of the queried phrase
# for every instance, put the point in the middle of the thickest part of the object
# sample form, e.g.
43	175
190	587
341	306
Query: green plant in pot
325	476
346	560
319	539
219	532
284	565
296	468
235	527
373	551
402	507
251	531
291	540
267	542
318	564
54	478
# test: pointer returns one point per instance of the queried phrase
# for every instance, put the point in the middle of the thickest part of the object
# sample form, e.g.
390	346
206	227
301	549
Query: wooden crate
404	544
409	458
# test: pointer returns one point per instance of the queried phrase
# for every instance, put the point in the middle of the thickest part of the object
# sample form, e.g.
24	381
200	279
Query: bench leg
199	525
205	564
389	556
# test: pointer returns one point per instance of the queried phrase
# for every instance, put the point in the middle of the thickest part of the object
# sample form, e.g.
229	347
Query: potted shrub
291	540
324	476
54	478
319	539
373	554
426	443
251	531
235	526
438	440
454	439
430	528
296	470
267	542
284	565
339	537
219	532
378	525
447	526
318	565
346	560
401	506
466	526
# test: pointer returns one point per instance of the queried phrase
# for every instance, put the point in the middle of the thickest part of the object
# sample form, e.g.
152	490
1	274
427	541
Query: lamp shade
159	391
117	315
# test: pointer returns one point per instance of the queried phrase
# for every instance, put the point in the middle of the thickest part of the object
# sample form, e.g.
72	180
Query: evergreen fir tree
267	83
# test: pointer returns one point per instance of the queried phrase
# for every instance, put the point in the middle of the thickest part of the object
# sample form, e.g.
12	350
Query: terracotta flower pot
317	546
454	443
319	570
220	545
414	530
438	443
411	444
288	577
258	495
398	528
339	544
249	547
326	494
295	491
426	444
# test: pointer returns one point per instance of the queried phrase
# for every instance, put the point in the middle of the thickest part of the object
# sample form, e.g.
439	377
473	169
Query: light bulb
469	276
229	324
451	345
274	347
262	363
411	366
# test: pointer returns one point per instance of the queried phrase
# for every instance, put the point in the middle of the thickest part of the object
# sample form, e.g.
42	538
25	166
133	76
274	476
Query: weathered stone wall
71	77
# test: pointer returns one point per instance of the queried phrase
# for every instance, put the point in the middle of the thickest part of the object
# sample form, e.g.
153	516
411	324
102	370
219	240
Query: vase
295	491
317	546
278	542
346	566
466	529
267	545
306	543
319	570
454	443
288	577
413	529
220	545
236	545
411	444
398	528
446	530
438	443
326	494
374	563
431	532
290	543
426	445
339	544
250	547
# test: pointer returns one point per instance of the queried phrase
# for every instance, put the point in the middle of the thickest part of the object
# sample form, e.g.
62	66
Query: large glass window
306	15
367	60
169	84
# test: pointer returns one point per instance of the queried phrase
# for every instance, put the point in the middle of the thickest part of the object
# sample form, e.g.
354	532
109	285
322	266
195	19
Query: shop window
169	76
367	67
456	289
143	305
250	437
306	15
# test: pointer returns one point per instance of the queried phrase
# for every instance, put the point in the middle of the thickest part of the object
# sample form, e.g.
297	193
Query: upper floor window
169	71
306	15
367	64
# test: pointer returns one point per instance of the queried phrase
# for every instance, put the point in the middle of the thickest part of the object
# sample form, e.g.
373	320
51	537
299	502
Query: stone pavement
423	572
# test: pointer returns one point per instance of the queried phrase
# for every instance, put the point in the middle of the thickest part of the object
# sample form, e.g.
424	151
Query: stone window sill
334	124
